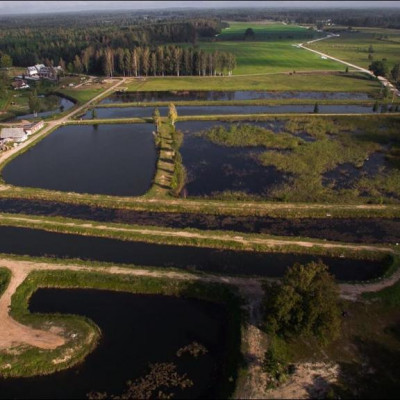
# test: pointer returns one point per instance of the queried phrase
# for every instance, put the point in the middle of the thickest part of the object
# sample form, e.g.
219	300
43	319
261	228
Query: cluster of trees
381	68
145	61
37	44
305	303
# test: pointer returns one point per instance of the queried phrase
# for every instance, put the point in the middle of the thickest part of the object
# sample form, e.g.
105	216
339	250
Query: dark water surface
132	112
136	330
357	230
110	159
62	102
213	168
207	95
344	176
35	242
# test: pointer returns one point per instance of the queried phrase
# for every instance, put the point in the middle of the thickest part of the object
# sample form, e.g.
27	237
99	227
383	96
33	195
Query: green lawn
353	46
314	82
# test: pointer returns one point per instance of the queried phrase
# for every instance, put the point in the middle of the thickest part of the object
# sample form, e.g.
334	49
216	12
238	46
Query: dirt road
383	80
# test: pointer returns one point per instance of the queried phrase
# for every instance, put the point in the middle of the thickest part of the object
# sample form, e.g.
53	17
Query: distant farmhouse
19	134
38	71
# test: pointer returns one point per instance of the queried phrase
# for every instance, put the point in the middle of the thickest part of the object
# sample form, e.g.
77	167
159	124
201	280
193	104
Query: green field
316	82
266	30
353	46
271	50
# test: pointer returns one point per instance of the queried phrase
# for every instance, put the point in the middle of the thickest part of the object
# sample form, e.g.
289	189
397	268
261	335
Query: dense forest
116	47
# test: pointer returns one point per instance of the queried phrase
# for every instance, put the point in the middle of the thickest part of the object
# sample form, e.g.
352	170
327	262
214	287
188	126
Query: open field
266	31
271	49
352	46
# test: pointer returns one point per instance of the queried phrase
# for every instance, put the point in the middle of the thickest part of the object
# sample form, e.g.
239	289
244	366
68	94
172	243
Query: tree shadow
320	388
376	376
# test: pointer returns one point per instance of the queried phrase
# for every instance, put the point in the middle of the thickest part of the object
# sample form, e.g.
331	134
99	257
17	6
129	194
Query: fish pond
115	159
213	168
136	330
136	112
358	230
55	105
40	243
238	95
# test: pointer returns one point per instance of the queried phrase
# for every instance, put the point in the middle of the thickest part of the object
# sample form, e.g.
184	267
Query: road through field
383	80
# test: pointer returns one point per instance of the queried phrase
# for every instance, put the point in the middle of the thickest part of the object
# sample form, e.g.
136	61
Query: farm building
33	127
18	135
19	84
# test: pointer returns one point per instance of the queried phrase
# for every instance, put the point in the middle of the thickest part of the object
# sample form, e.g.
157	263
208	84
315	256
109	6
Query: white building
18	135
32	71
33	127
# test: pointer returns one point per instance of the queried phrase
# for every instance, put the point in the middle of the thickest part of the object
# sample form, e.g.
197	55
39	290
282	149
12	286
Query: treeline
146	61
33	45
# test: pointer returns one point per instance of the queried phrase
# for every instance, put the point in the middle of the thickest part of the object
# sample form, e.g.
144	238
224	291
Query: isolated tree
306	303
172	114
5	61
94	113
370	49
375	107
385	92
379	68
157	118
316	108
34	102
249	34
395	72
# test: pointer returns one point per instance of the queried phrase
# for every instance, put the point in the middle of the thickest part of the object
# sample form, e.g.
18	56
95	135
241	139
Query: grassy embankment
230	206
199	238
367	354
82	334
5	276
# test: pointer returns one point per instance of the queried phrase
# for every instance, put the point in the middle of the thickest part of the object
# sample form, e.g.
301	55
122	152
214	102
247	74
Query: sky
34	7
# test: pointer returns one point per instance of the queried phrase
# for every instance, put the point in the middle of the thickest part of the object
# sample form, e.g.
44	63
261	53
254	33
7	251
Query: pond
136	330
344	176
40	243
135	112
59	104
209	95
357	230
213	168
115	159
